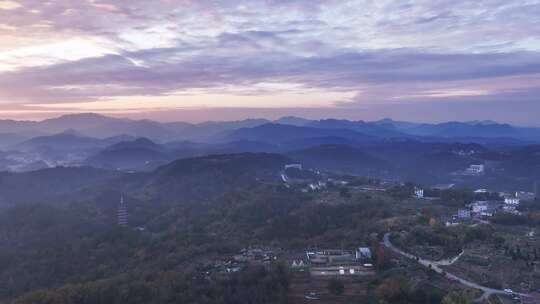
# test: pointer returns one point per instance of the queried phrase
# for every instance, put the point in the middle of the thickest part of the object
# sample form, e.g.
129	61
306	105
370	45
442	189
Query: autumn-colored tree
381	259
389	290
336	287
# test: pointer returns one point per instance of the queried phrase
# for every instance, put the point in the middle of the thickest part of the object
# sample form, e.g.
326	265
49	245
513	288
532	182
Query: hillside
342	158
208	176
139	154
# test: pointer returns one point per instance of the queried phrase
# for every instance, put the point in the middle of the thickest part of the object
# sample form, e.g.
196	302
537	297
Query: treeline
451	239
530	218
81	244
255	285
397	288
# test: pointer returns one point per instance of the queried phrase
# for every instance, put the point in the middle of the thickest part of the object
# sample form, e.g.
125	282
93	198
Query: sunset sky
210	60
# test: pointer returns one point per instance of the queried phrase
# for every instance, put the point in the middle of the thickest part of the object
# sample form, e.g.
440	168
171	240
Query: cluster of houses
477	210
486	209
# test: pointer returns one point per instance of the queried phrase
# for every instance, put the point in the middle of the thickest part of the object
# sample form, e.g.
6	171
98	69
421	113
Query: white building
510	209
419	193
511	201
476	169
293	166
488	213
363	253
298	264
122	213
479	207
464	213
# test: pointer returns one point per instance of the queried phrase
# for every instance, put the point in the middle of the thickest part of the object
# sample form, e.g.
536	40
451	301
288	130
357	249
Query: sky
196	60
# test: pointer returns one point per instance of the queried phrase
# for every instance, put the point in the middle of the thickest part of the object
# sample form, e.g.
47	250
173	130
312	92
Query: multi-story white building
511	201
122	213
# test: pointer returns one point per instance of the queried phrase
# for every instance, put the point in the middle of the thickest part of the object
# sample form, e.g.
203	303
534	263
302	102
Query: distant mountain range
98	126
426	153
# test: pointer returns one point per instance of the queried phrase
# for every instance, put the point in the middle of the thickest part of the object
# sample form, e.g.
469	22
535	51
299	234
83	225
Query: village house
363	254
418	193
479	206
464	214
475	169
510	209
484	208
511	201
298	264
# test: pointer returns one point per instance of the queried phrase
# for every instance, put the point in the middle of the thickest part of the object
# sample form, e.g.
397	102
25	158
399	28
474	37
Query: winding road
487	292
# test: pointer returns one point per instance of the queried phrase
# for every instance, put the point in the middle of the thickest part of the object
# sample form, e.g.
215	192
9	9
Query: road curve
435	267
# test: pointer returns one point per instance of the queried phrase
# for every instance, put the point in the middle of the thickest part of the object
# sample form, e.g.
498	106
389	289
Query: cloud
250	58
382	52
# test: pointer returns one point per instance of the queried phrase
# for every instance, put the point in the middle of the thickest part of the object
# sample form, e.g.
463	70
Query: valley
263	221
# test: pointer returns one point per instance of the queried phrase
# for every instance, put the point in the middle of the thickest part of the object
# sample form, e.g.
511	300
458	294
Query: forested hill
208	176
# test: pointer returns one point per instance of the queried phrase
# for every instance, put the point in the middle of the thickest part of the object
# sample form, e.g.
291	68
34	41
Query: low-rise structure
464	214
293	166
475	169
330	256
484	208
297	264
338	262
489	212
510	209
363	253
419	193
443	186
479	206
511	201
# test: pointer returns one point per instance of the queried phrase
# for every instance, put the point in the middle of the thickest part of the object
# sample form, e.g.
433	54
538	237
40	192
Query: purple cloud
384	52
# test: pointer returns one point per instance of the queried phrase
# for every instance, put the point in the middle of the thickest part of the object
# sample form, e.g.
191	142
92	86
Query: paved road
435	267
